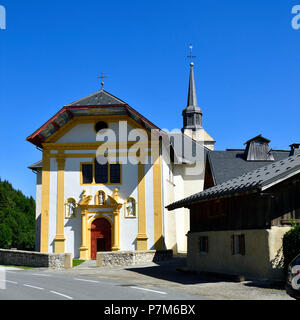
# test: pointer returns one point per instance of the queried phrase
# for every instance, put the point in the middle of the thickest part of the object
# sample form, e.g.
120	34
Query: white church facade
84	206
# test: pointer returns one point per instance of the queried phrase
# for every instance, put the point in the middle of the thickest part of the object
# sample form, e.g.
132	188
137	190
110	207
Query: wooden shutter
242	250
205	244
232	244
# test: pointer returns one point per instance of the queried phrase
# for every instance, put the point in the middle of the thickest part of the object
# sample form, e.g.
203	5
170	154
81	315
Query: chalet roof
229	164
259	138
254	180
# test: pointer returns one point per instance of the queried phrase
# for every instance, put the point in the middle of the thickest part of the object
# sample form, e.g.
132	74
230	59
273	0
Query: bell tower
192	113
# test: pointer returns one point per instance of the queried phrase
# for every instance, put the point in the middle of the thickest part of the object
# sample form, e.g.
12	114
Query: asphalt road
37	284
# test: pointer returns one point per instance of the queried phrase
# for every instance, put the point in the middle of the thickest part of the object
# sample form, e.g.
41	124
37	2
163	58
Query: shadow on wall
38	234
134	243
160	244
277	265
74	225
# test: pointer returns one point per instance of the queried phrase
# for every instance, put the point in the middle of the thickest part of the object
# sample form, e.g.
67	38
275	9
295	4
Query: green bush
291	244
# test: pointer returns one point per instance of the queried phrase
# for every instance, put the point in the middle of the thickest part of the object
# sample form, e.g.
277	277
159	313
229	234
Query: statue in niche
101	198
71	208
130	208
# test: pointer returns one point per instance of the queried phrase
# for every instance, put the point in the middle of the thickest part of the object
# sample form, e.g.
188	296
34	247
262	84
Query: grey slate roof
253	180
100	98
226	165
37	165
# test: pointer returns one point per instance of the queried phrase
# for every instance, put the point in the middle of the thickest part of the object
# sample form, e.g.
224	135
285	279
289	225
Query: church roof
36	166
99	98
255	180
99	103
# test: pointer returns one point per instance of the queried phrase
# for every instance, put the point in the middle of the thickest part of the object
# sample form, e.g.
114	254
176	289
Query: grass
77	262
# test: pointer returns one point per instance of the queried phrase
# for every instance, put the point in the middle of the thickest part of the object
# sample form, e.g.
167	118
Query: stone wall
127	258
35	259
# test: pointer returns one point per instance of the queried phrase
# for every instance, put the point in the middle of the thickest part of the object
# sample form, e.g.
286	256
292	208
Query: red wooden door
100	236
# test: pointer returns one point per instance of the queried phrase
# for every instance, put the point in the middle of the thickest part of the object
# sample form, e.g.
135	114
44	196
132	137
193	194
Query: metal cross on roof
102	77
191	53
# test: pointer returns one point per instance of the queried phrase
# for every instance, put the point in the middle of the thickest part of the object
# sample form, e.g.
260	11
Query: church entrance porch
99	229
100	236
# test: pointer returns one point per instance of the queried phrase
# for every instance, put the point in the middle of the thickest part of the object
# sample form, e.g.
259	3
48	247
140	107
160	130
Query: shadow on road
167	270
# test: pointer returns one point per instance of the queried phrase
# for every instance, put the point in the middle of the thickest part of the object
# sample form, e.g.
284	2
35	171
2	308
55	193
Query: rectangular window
203	244
238	244
101	172
87	173
95	173
115	173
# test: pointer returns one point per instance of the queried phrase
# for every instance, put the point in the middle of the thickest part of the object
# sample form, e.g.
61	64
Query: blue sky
247	67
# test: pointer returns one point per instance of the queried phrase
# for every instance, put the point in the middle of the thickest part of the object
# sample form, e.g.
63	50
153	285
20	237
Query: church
107	174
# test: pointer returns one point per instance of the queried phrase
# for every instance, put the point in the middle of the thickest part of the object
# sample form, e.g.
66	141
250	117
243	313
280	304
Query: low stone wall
35	259
128	258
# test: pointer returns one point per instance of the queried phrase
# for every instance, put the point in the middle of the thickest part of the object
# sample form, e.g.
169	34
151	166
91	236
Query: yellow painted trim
77	120
98	206
100	184
76	155
141	239
91	213
59	240
90	119
157	204
116	229
93	145
84	253
91	155
44	242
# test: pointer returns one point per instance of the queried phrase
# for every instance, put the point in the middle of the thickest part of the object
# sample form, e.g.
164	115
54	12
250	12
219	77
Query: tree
17	218
5	236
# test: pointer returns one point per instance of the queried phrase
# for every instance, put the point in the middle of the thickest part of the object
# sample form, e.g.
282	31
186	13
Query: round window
100	125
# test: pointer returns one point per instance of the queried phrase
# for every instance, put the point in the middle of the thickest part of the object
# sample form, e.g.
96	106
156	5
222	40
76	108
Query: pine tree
17	218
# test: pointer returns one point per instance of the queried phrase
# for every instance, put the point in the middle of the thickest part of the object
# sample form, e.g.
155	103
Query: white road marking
28	285
63	295
86	280
8	281
160	292
41	275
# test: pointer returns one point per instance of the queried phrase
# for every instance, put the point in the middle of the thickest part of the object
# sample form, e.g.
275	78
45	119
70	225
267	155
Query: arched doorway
100	236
